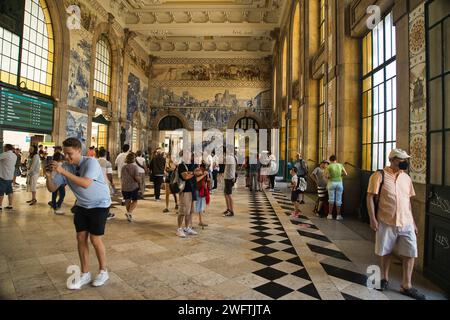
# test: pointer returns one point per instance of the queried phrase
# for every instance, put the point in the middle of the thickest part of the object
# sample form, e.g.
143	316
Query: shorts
131	195
388	237
5	187
322	193
91	220
185	203
229	183
294	196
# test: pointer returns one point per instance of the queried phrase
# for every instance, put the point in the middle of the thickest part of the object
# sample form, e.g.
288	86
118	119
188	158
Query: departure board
24	111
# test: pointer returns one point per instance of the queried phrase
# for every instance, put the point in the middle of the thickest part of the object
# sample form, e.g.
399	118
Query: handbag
177	184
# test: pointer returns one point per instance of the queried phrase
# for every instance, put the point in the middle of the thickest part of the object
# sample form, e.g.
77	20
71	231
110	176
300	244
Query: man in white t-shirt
120	160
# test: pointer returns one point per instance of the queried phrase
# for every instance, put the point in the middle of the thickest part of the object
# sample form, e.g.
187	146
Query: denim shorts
335	190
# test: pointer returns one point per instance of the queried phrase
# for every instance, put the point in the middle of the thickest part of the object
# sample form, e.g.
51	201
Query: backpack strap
377	199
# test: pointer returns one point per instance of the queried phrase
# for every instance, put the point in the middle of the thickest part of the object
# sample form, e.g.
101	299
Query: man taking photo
85	178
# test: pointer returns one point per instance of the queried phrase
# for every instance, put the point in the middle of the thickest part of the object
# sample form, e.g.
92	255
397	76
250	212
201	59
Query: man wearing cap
392	220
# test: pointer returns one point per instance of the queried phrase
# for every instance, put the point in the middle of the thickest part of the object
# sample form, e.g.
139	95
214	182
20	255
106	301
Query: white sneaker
329	217
339	217
181	233
129	217
101	278
85	278
190	231
58	212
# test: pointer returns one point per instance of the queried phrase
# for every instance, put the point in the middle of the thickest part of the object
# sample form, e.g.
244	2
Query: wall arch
247	114
162	114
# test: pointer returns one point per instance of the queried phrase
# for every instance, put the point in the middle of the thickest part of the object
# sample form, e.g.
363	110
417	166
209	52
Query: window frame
370	141
102	71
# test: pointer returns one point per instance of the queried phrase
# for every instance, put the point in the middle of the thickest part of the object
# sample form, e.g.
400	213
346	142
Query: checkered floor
342	272
280	264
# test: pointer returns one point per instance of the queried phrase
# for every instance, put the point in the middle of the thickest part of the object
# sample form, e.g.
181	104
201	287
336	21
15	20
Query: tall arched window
322	25
37	50
284	66
296	43
379	97
36	68
102	74
295	56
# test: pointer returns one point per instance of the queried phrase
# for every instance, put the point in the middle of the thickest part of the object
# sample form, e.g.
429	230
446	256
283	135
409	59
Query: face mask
403	165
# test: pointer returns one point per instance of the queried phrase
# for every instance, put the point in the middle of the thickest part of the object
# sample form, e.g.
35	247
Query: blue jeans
62	193
335	190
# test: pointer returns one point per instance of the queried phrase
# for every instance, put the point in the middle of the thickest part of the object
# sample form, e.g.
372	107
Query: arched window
102	74
36	68
322	25
284	66
246	124
296	43
37	50
170	123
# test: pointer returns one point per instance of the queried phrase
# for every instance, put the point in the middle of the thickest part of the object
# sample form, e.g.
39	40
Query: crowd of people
191	183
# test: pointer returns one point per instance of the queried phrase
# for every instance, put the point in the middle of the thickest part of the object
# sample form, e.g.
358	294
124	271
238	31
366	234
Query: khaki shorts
389	237
186	204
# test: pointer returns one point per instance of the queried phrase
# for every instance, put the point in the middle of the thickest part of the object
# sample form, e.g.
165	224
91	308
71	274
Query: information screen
23	111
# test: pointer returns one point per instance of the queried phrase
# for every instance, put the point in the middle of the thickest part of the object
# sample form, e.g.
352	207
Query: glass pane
378	77
381	99
436	158
375	158
435	113
394	92
435	51
380	156
375	129
447	158
376	100
375	48
381	43
389	126
388	29
447	103
381	127
389	95
437	10
391	70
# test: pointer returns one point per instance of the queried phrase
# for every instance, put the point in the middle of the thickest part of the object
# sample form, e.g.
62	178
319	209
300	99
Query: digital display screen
24	111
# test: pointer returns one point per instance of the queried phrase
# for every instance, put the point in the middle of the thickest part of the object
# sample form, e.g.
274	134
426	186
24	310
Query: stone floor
259	254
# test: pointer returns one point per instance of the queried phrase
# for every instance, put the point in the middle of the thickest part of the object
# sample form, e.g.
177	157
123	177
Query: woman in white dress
33	169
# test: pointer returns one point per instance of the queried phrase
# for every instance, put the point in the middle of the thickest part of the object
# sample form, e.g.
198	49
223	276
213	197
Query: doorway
169	139
99	132
437	220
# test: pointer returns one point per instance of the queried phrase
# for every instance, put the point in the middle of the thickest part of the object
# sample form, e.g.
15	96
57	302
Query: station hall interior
353	79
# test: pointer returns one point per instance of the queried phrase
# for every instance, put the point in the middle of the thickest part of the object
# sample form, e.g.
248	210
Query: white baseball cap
398	153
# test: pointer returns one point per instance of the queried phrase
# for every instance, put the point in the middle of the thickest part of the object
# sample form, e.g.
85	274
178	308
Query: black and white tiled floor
280	264
339	268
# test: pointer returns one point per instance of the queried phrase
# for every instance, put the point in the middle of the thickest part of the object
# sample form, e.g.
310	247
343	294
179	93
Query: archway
170	138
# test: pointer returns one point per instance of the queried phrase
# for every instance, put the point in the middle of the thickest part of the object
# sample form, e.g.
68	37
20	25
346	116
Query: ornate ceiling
201	28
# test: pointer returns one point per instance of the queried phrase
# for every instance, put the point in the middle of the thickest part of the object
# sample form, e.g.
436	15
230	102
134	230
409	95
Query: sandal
412	293
33	202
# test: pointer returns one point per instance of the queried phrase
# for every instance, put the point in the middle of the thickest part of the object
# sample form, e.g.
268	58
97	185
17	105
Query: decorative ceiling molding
195	28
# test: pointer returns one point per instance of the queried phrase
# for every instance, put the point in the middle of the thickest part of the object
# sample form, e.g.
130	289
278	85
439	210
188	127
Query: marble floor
258	254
